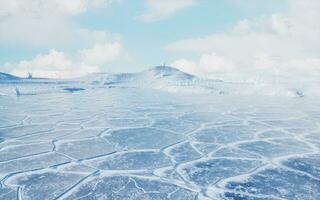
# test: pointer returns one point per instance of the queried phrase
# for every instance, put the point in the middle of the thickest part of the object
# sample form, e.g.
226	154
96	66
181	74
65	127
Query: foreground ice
135	143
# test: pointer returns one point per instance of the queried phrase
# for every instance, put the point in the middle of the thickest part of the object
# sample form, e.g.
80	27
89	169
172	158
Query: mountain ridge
6	76
169	79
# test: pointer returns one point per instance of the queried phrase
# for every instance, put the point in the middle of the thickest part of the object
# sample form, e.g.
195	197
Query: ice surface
226	134
135	160
183	152
17	151
206	148
234	152
44	185
279	183
86	148
273	149
129	187
20	131
143	138
35	162
119	140
7	194
208	172
309	164
176	124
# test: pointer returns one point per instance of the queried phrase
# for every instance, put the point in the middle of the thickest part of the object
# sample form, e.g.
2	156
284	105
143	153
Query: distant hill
159	77
5	76
161	72
169	79
155	74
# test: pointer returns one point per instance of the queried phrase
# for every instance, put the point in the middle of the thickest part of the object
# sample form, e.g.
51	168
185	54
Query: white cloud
45	23
277	46
38	8
49	24
101	53
207	65
161	9
57	64
261	69
91	36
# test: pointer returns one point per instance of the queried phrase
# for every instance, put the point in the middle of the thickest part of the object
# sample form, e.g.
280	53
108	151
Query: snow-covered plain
160	134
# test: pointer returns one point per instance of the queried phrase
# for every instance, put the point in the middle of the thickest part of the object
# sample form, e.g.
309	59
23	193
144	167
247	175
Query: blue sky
72	38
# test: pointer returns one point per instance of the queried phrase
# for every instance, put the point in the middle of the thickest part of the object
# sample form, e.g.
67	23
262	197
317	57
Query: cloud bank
42	23
276	47
49	25
57	64
162	9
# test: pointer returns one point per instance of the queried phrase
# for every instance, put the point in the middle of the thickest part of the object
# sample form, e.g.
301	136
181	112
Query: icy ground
135	143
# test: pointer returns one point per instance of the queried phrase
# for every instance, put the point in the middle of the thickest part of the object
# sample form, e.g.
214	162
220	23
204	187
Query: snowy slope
160	73
167	73
173	80
5	76
160	77
170	79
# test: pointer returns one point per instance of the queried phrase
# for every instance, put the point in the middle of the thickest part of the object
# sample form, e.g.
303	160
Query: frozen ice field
143	143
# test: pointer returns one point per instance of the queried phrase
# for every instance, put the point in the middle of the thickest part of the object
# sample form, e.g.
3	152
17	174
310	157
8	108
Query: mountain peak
167	71
164	68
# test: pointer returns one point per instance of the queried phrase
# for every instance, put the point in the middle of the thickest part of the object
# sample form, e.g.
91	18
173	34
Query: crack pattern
137	144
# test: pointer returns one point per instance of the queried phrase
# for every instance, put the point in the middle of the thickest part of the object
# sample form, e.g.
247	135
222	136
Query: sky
235	40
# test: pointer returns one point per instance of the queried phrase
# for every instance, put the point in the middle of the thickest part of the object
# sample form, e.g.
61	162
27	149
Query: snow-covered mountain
160	77
173	80
168	79
155	74
167	73
5	76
